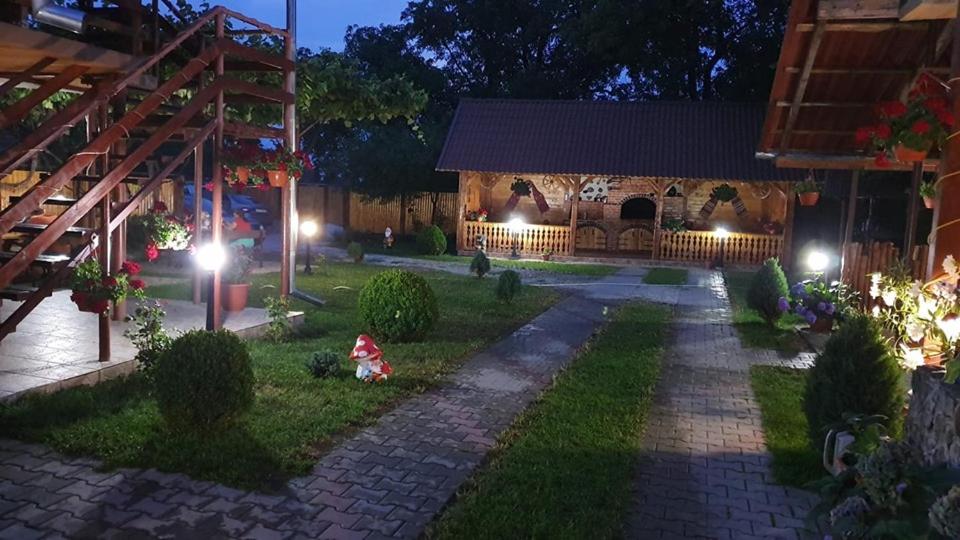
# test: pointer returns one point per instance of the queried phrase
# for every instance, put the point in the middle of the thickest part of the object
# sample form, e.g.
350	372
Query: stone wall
931	428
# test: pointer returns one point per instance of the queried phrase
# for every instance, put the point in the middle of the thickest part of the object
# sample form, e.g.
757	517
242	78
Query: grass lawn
754	331
779	391
295	416
564	470
666	276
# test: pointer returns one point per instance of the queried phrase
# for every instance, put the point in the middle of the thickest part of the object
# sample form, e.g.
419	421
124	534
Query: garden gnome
388	238
371	367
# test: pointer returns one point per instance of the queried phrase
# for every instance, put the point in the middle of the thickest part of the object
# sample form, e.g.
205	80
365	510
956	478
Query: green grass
754	332
295	416
779	391
666	276
564	470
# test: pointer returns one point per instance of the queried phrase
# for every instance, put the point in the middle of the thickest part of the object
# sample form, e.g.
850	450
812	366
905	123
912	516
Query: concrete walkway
705	469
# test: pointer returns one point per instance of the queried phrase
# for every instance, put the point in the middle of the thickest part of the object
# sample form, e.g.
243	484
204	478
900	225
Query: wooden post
786	258
461	212
574	208
216	211
288	206
198	217
119	251
945	237
910	235
662	187
851	218
103	321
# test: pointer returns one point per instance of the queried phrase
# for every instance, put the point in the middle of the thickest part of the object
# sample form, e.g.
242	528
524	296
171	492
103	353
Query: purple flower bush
813	300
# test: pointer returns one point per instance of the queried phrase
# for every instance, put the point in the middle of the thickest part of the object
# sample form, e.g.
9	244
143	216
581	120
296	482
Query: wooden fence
366	215
704	246
532	240
860	261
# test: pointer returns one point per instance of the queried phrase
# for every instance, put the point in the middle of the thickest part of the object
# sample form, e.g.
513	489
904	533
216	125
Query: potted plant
236	281
164	232
280	164
808	192
482	215
818	303
93	292
238	159
928	190
908	131
724	193
547	254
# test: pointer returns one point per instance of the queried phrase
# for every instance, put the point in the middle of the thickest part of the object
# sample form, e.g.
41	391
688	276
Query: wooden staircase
127	128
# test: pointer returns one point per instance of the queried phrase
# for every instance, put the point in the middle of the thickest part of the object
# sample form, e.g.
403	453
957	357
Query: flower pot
235	296
929	202
243	175
908	155
86	304
823	325
546	256
277	179
809	198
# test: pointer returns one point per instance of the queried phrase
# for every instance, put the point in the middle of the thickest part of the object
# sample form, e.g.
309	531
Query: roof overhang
839	59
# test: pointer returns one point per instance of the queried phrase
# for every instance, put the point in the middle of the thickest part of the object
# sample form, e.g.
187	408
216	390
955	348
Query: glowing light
211	257
721	233
516	225
818	261
309	228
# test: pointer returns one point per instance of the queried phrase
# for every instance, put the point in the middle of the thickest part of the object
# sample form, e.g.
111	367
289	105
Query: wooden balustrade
704	246
532	240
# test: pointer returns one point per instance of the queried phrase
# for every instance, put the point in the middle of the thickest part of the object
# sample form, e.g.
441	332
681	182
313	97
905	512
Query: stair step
17	293
33	228
56	200
47	259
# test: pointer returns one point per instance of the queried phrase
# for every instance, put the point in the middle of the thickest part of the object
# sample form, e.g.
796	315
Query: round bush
355	251
204	381
508	286
398	306
768	286
856	374
432	241
325	363
480	264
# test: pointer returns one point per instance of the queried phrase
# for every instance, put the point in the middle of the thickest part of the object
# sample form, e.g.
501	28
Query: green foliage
945	514
480	264
768	286
398	306
674	225
928	190
807	186
355	251
279	328
666	276
237	269
508	286
856	374
203	381
724	193
324	364
432	241
148	335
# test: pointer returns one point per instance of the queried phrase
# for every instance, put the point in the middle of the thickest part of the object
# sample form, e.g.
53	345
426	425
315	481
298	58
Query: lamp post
516	225
722	233
210	258
308	228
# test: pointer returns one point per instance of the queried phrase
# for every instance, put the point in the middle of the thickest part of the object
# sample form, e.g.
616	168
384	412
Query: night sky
322	23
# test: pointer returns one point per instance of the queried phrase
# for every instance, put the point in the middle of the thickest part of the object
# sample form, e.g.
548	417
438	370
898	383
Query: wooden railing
704	246
532	240
860	261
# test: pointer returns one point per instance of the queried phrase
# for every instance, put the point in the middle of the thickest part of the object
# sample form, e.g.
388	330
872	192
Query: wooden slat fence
860	261
372	216
704	246
19	182
533	240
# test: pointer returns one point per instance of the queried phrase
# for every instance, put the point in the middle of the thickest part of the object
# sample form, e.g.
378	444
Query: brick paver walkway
705	471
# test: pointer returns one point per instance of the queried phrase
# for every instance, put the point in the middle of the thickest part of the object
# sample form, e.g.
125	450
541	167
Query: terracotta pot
235	296
929	202
546	257
908	155
277	179
242	174
823	325
809	198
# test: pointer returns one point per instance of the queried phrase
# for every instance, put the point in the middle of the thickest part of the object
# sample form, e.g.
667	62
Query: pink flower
109	281
137	284
208	186
130	268
159	207
920	127
152	252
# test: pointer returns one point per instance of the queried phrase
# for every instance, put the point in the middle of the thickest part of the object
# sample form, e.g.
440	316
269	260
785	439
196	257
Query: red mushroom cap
365	349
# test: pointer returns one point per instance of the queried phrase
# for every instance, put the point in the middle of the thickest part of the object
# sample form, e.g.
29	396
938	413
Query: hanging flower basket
724	193
809	199
93	292
238	160
280	165
808	191
903	154
928	191
164	232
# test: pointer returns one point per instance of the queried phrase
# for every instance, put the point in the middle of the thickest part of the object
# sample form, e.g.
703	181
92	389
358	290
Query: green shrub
147	334
508	286
325	363
203	381
480	264
432	241
278	327
855	373
768	286
398	306
355	251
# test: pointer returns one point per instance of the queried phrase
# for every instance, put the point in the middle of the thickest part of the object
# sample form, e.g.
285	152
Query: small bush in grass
203	381
855	373
278	327
508	286
355	251
480	265
768	286
325	363
432	241
398	306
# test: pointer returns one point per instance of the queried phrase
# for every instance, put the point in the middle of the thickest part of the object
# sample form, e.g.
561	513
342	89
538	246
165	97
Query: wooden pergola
839	59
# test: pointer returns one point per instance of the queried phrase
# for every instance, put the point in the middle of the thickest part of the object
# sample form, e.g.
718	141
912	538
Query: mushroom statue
371	367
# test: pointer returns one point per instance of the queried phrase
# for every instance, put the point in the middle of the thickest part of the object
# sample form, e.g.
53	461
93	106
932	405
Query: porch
56	346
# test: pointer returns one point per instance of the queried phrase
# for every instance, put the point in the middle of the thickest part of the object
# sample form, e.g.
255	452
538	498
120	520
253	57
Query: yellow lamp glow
211	257
309	228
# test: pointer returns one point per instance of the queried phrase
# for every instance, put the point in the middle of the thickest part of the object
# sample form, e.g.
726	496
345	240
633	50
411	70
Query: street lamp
722	233
308	229
818	261
210	258
516	226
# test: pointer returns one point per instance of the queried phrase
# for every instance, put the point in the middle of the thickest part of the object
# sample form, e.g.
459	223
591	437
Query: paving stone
336	532
20	532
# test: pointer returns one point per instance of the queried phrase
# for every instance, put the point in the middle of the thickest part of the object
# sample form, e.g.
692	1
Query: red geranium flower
920	127
945	117
159	207
881	159
863	135
893	109
935	104
263	186
151	252
109	281
883	131
137	284
130	268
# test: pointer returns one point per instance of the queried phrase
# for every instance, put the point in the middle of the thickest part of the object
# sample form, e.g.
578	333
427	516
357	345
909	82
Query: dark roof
709	140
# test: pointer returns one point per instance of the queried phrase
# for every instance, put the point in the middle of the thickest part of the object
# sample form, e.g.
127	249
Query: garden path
705	470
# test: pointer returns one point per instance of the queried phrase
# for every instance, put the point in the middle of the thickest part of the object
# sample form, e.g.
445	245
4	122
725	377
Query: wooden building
617	179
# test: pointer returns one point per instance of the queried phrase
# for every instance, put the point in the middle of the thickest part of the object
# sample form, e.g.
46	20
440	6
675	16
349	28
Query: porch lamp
516	226
818	261
309	229
722	234
210	258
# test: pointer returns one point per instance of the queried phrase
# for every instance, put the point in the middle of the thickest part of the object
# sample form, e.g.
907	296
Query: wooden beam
866	27
851	71
803	160
830	104
921	10
829	132
786	258
16	112
574	208
858	9
26	75
913	209
802	85
851	208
